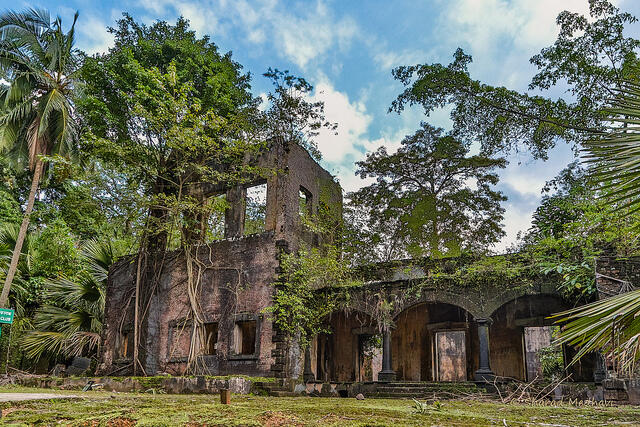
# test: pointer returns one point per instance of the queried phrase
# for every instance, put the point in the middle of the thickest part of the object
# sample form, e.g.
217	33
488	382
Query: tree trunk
15	258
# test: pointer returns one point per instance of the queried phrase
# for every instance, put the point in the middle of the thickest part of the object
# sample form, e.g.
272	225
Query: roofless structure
444	325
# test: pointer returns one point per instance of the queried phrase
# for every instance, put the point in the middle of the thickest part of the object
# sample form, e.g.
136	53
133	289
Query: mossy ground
144	409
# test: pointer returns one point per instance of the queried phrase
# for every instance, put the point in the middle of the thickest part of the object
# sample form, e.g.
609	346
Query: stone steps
283	393
424	389
276	389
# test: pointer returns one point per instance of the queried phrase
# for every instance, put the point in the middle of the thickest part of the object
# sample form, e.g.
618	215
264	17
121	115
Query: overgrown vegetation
118	153
162	409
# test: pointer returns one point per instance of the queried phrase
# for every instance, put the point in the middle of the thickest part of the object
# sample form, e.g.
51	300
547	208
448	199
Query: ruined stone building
441	331
236	283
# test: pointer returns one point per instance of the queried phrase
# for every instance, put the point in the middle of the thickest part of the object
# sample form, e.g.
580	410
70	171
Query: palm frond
99	256
70	325
611	325
614	157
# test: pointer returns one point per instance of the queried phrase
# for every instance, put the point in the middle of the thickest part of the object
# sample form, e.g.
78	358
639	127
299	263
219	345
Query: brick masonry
238	277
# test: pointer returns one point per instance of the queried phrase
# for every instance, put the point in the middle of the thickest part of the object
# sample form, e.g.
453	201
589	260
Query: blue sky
347	49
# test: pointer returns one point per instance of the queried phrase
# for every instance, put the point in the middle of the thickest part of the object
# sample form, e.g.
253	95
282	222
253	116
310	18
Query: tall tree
127	137
39	61
591	57
440	197
291	115
172	114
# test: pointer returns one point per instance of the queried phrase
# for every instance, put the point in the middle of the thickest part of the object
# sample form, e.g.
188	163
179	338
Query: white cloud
352	119
502	35
93	36
308	36
516	220
302	34
353	141
388	59
530	24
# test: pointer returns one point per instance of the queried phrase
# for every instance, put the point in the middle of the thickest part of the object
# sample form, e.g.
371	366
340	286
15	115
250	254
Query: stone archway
338	356
434	341
519	329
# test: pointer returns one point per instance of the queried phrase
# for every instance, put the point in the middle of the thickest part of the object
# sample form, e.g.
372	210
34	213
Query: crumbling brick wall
237	282
616	275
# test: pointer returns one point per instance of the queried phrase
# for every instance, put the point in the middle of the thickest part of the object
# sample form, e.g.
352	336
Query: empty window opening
305	202
245	337
210	337
369	360
255	209
216	207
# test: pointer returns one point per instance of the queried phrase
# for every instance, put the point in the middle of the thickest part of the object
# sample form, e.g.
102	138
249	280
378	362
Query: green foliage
70	322
572	227
9	208
55	253
311	286
170	115
38	60
551	362
615	155
591	55
423	197
427	408
610	325
37	115
290	115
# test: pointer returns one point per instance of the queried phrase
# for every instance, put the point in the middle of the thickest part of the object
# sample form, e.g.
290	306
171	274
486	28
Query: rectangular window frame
245	318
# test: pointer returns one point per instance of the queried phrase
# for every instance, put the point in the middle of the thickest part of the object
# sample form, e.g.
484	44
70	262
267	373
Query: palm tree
70	324
38	60
612	325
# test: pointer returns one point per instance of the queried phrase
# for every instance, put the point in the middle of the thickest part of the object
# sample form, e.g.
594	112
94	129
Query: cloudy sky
347	49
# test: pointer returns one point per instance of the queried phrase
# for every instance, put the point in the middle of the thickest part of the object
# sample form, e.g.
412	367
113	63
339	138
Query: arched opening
434	342
521	335
351	352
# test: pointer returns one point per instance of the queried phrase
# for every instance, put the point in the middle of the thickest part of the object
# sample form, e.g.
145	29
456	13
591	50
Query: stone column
600	372
308	376
387	374
484	373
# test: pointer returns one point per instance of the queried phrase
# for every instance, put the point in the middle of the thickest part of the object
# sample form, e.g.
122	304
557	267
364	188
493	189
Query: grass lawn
126	409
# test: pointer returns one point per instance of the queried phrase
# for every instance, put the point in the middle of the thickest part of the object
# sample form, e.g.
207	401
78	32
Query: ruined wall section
616	275
236	287
237	283
118	316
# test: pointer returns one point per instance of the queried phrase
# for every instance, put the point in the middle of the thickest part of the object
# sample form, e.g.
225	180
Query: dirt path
18	397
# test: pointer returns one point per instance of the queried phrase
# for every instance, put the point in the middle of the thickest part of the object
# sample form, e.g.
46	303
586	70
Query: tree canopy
439	198
590	58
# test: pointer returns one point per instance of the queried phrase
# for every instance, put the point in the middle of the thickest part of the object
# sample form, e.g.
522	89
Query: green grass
122	409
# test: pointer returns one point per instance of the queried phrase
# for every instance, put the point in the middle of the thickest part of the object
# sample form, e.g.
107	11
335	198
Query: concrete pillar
387	374
308	376
234	215
600	372
484	372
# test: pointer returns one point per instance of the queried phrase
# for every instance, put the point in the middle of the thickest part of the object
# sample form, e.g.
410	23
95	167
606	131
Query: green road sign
6	315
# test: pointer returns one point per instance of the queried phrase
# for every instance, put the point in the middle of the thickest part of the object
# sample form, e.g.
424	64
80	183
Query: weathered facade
443	330
431	330
235	287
